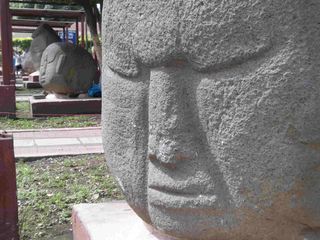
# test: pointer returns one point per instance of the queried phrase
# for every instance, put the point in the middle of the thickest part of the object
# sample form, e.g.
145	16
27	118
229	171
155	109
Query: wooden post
64	34
86	32
67	35
6	42
8	190
77	32
82	32
7	90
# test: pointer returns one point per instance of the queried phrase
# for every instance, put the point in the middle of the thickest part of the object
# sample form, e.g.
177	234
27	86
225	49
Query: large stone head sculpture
43	36
67	69
211	115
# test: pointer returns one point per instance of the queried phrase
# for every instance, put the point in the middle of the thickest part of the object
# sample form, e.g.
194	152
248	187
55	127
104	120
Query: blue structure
72	36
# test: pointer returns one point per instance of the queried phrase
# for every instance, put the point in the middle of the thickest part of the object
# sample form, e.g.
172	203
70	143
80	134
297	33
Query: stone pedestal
31	85
54	107
32	81
7	100
111	221
8	189
34	77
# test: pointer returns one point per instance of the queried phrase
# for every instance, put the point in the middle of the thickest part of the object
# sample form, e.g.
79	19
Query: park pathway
56	142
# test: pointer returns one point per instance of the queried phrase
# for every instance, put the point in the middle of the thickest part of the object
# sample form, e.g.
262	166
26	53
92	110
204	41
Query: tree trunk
92	23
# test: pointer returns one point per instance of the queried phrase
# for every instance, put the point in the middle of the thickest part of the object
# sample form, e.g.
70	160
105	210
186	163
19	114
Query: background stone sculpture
67	69
27	63
43	36
211	115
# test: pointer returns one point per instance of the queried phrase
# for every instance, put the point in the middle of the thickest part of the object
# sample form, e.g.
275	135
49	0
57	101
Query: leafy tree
93	15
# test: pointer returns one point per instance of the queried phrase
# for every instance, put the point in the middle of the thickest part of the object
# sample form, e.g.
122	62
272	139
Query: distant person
18	64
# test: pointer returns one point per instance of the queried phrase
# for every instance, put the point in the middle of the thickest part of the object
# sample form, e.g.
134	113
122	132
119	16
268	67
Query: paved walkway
22	98
55	142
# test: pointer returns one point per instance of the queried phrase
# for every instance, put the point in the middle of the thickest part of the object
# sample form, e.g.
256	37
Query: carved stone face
217	135
67	69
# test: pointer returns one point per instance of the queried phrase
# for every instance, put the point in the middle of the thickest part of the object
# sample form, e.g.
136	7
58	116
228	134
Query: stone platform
34	77
111	221
31	85
70	106
32	81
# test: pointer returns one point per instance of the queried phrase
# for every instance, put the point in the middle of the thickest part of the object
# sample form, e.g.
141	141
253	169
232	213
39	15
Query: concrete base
111	221
55	107
29	84
7	100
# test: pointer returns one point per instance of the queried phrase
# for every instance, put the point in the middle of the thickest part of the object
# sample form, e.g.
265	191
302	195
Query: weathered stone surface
67	69
211	115
27	63
43	36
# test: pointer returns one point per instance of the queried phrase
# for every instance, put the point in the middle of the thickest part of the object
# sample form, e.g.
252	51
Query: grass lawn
28	91
49	187
24	121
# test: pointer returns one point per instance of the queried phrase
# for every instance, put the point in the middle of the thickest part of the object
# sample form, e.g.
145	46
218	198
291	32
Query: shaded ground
24	121
49	187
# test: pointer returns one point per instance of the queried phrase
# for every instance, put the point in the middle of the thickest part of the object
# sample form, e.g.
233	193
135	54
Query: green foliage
49	187
21	5
21	43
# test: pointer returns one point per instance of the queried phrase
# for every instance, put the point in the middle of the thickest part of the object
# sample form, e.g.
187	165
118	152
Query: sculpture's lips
174	198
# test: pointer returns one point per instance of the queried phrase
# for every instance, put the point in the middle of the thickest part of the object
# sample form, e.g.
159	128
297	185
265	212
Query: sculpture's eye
60	63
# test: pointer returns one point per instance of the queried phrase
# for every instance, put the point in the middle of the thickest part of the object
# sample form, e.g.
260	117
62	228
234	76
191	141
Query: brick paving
56	142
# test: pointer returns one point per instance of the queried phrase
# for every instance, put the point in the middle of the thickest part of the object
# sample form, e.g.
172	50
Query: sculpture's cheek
125	136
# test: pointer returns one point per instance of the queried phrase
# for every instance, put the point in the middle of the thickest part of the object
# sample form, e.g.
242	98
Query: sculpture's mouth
181	198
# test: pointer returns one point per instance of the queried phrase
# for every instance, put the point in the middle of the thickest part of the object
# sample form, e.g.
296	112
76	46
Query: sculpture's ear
60	63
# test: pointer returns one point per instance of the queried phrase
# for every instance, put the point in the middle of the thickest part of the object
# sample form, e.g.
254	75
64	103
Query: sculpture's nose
171	130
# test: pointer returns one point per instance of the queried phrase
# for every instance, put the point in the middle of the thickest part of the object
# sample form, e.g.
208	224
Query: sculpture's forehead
185	8
208	33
